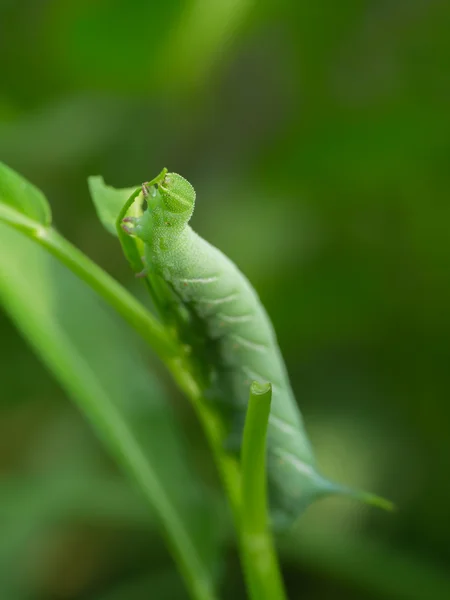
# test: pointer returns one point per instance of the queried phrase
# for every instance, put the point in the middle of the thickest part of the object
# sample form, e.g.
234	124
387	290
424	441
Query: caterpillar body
240	343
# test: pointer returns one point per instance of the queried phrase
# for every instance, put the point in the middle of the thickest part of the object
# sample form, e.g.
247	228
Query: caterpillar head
177	197
177	193
170	204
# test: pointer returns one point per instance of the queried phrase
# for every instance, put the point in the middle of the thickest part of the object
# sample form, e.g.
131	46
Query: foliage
322	132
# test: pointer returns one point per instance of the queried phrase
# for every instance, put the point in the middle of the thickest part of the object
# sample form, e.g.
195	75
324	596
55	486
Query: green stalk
262	572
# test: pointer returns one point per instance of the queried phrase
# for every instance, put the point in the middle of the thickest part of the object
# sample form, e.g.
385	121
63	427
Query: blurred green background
317	136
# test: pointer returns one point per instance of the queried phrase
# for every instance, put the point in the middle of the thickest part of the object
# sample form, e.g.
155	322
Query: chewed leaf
112	205
108	201
23	196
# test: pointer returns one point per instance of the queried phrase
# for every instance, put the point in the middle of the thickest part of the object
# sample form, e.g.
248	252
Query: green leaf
98	362
20	194
108	201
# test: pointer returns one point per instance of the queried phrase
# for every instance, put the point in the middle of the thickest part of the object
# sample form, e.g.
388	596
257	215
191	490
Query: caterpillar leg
148	190
126	227
143	273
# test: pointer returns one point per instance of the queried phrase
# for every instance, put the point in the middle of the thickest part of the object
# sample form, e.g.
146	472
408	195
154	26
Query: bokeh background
317	137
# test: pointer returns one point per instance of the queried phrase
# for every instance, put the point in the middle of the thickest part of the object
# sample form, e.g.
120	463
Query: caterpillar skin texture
246	349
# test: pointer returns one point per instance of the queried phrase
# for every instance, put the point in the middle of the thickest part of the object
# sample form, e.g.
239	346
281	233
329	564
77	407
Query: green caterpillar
239	343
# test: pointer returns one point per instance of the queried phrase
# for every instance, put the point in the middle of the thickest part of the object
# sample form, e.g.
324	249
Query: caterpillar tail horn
362	496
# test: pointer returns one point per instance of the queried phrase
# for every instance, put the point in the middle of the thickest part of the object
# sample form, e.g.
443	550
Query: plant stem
215	430
262	572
